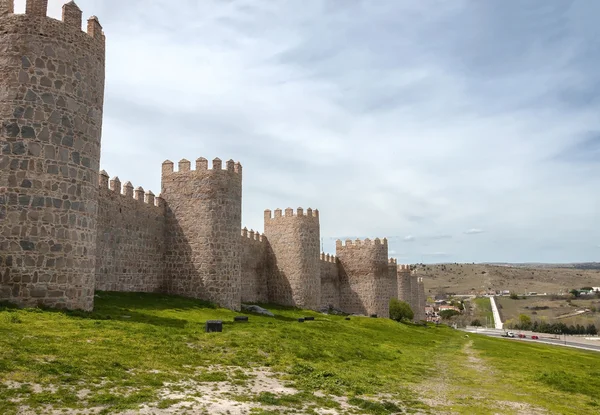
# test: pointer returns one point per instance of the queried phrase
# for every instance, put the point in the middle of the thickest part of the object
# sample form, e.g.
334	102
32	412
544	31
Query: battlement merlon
360	243
72	16
253	236
7	7
185	166
289	213
328	258
127	190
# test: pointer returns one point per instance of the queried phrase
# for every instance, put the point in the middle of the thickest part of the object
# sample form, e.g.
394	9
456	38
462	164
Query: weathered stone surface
203	244
39	55
130	242
256	309
330	282
256	268
294	241
65	230
364	277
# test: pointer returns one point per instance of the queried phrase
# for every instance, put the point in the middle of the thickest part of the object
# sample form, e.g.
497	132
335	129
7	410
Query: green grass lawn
134	346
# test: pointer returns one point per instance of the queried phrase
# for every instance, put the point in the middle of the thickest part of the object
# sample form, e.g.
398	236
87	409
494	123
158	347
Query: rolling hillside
476	278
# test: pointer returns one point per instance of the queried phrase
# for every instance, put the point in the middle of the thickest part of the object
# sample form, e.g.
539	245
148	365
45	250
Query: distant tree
514	295
448	314
400	310
575	293
587	288
476	323
591	329
524	322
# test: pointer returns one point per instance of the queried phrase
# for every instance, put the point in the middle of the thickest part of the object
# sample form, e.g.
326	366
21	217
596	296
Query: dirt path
468	383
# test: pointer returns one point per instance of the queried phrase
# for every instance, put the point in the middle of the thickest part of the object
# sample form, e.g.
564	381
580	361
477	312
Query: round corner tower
51	100
204	217
365	286
294	242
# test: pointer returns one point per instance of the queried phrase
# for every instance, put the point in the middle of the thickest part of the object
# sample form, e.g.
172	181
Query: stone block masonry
364	276
66	230
203	215
51	102
330	282
255	267
130	244
294	240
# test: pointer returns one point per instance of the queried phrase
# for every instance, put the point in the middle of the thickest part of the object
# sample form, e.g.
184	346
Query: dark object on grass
347	318
300	320
309	318
373	315
241	319
214	326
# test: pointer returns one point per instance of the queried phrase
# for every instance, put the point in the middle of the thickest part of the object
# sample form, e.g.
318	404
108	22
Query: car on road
534	337
522	336
509	334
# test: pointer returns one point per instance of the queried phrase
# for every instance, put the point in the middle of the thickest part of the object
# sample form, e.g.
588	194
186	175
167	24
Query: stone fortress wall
294	238
130	244
66	230
51	102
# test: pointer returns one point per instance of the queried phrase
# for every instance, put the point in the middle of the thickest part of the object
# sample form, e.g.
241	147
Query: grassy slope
150	339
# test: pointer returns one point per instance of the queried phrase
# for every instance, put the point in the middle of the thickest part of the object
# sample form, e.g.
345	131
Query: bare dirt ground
476	279
229	397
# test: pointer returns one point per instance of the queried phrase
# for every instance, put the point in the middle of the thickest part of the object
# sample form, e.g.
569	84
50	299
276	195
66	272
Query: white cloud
392	119
409	238
474	231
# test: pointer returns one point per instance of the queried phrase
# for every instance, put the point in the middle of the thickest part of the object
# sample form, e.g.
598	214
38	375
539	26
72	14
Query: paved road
546	340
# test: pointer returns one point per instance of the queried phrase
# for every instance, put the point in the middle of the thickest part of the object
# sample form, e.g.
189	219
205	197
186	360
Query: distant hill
521	278
575	265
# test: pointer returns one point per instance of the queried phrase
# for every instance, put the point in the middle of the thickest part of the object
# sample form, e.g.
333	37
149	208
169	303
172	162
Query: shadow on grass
128	307
151	301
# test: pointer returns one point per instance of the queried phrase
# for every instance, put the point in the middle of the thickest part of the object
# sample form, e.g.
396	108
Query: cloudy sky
462	130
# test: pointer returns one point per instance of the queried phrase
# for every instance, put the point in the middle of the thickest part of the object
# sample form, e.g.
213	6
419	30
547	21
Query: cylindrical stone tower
203	221
364	284
414	296
404	286
51	99
294	244
422	300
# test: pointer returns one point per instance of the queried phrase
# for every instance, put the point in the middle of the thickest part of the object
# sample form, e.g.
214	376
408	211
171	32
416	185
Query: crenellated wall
294	241
392	279
255	267
131	238
330	282
51	103
363	276
203	218
421	300
404	283
65	231
414	295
